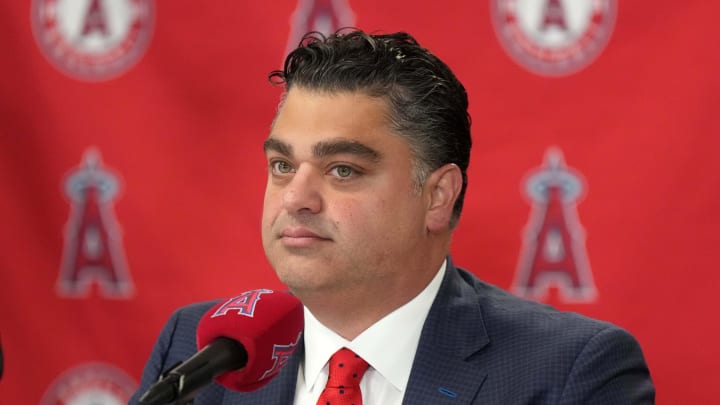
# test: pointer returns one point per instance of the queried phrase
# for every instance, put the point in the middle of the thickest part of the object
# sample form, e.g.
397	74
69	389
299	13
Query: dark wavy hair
427	104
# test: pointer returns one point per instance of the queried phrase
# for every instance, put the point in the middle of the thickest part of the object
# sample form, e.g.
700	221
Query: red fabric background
182	130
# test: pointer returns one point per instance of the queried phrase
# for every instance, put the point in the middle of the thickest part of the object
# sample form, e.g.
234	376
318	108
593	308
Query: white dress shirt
389	347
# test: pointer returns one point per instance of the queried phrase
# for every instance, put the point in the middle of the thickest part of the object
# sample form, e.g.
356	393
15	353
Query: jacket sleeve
610	369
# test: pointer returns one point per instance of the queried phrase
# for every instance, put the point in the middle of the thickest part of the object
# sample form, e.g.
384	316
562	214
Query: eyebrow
326	148
272	144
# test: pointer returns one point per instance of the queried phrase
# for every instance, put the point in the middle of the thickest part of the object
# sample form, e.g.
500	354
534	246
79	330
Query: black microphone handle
182	383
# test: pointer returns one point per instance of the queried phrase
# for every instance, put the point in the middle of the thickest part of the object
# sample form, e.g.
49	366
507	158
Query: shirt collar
387	351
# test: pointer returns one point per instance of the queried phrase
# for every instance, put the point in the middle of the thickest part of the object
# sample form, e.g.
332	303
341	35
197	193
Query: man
368	158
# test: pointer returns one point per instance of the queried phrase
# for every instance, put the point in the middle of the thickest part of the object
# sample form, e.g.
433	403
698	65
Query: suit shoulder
506	314
569	357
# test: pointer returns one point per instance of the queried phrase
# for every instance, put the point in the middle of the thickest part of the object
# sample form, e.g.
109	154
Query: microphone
243	342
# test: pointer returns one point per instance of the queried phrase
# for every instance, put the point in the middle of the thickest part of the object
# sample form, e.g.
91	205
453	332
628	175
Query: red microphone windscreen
267	323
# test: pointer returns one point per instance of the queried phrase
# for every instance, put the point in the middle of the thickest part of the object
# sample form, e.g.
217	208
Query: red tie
343	385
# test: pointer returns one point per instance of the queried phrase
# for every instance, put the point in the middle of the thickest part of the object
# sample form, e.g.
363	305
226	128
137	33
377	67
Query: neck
340	312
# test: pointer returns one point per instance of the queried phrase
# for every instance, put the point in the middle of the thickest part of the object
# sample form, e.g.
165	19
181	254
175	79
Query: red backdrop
132	173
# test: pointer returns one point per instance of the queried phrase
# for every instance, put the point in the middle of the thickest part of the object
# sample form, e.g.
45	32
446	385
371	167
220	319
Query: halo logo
553	37
93	40
90	384
553	251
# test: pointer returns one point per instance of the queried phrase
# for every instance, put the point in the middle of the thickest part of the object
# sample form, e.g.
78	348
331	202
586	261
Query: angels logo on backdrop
93	40
553	251
90	384
325	16
553	37
93	248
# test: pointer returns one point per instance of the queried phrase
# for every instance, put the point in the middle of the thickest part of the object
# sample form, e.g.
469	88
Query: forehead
309	116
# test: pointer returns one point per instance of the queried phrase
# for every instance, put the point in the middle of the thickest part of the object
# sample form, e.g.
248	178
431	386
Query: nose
303	192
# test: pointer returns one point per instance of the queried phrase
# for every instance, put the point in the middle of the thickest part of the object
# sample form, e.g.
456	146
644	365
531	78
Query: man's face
341	210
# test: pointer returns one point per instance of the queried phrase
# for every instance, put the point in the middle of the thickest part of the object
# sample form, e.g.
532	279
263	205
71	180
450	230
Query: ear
442	187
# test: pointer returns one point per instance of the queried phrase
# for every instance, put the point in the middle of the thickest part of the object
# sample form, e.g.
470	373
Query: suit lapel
445	370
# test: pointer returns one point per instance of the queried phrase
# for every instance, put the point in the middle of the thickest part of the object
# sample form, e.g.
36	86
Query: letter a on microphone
244	304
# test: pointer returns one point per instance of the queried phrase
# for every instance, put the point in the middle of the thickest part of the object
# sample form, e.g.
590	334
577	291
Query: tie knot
346	369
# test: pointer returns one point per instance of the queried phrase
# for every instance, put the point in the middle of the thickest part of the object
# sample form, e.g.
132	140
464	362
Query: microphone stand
184	380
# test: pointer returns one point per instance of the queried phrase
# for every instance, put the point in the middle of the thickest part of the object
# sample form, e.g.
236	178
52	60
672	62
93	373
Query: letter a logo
95	20
244	303
93	250
554	15
553	252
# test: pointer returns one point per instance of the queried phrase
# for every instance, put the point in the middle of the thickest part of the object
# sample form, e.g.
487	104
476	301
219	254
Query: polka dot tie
343	385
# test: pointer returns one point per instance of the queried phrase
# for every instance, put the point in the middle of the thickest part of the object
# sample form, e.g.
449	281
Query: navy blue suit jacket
479	345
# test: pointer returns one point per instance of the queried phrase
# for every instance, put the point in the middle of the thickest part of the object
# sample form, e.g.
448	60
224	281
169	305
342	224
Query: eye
342	171
281	167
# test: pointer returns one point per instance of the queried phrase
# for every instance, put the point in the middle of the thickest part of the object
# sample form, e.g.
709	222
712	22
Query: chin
301	279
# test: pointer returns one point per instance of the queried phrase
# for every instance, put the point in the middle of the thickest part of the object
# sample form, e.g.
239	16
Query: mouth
301	237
